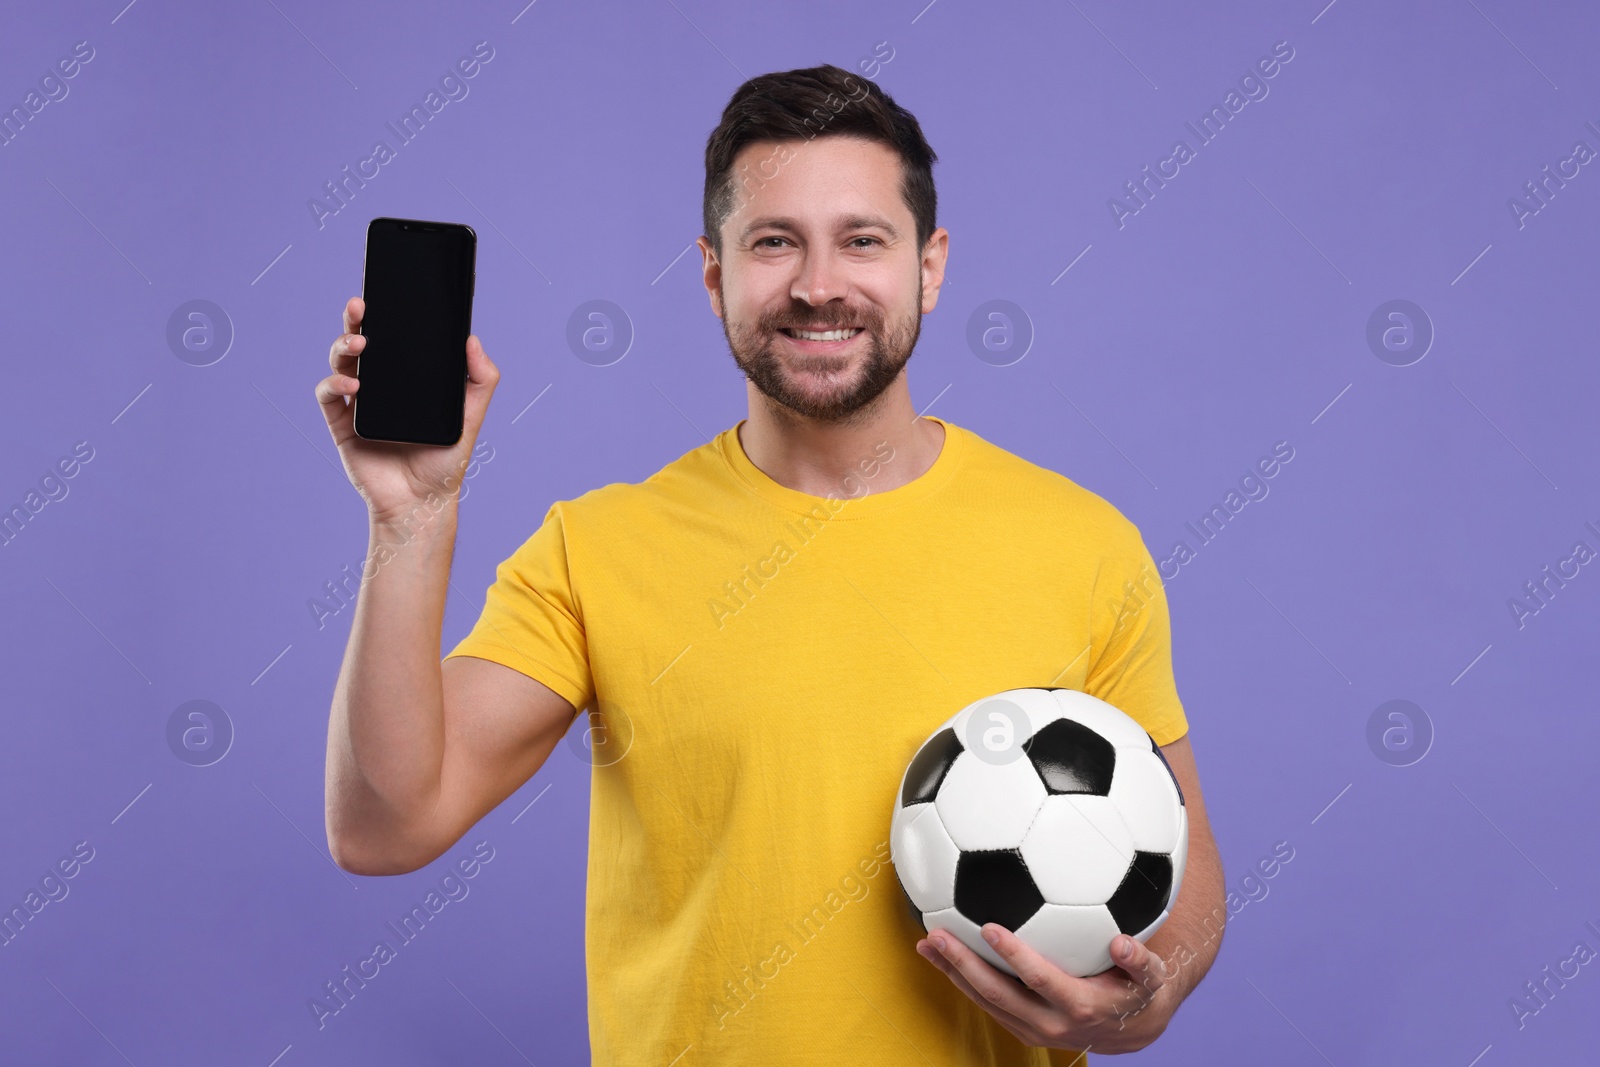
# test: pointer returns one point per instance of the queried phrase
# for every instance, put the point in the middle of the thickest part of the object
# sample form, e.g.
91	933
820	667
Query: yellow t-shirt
766	662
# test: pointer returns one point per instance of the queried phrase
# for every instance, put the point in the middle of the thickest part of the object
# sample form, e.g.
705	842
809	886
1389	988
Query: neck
817	458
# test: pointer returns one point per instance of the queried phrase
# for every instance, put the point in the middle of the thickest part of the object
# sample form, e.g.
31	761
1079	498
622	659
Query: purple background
1229	314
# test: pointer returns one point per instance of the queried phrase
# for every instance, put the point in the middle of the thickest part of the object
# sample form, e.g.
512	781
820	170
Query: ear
933	261
710	274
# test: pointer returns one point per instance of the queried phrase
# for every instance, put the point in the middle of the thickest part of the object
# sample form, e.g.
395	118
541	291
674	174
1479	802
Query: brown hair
823	101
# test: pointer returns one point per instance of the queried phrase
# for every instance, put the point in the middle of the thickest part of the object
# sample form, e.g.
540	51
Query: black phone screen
418	292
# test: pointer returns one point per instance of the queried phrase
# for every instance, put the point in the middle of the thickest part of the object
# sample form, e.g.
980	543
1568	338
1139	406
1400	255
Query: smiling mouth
821	336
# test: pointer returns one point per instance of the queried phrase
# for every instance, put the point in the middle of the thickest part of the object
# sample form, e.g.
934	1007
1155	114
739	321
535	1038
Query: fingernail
991	936
938	943
1127	946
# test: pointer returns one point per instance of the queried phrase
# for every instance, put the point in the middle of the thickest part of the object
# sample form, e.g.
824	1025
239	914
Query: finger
481	371
1021	1030
1145	970
354	310
482	375
342	354
1000	990
1143	966
331	393
1050	982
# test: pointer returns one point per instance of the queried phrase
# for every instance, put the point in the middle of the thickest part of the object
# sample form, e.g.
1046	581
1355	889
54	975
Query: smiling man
763	632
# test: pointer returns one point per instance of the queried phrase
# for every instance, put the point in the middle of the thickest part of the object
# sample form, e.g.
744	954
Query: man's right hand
394	478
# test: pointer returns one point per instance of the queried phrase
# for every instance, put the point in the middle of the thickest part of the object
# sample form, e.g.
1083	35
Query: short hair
813	102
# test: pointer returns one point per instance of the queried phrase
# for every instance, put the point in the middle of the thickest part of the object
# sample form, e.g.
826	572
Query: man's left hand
1122	1009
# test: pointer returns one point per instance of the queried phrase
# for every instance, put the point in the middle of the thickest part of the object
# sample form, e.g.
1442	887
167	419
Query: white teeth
828	335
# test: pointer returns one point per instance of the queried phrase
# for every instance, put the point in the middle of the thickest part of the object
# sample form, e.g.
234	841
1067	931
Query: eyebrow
847	222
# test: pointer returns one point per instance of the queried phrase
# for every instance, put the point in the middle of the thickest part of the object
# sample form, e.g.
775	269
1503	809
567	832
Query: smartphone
417	283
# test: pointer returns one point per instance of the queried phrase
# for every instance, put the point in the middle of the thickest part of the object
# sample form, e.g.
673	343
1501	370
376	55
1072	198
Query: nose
819	280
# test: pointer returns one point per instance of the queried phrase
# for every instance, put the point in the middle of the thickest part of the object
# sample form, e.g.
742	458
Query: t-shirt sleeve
1131	642
531	620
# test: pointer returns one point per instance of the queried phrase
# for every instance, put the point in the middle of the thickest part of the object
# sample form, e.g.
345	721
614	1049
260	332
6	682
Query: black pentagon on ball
1072	758
994	886
929	766
1144	891
1160	755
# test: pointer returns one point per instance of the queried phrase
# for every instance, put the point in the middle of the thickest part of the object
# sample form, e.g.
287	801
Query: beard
824	388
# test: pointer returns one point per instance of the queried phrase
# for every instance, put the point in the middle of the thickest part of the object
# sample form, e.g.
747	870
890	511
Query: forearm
1190	938
386	725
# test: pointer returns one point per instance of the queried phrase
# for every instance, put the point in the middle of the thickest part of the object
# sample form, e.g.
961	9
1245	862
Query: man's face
819	241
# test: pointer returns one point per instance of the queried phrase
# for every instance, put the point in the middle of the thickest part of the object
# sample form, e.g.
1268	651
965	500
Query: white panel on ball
1075	938
1078	849
988	805
1143	792
925	859
1109	722
1036	705
970	933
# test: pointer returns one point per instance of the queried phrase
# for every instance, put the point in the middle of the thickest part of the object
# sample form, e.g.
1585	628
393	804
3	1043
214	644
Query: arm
1188	941
418	751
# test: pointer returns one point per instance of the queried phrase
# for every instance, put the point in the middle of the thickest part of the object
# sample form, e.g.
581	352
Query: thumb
482	376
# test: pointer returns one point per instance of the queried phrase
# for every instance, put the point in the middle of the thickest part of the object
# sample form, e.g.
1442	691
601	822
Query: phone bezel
472	275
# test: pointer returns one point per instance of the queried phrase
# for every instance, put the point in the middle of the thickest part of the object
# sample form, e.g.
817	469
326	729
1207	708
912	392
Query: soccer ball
1049	812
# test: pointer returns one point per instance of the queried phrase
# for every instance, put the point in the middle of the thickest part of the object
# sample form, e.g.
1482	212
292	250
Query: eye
762	241
853	240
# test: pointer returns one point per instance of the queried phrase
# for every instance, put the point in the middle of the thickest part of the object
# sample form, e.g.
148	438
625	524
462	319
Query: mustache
815	320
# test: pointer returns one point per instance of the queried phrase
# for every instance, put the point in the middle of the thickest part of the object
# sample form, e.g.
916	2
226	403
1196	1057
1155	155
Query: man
765	630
